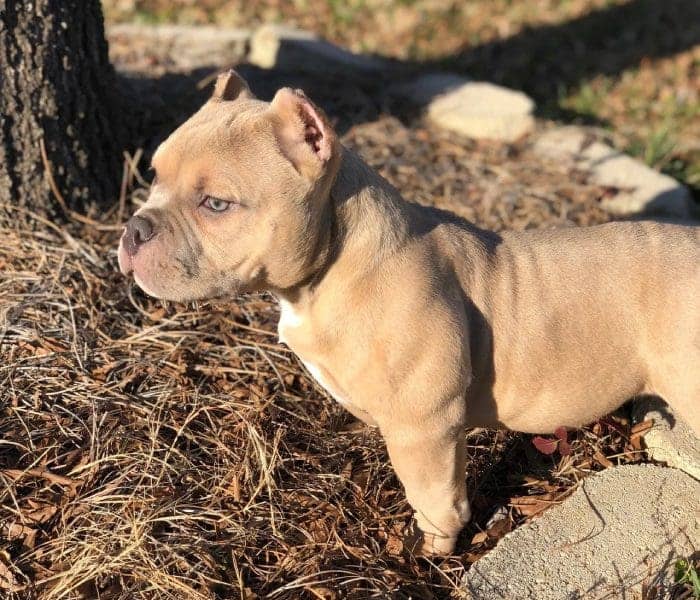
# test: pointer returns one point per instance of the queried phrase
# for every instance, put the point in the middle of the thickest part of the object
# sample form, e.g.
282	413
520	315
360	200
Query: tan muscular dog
413	319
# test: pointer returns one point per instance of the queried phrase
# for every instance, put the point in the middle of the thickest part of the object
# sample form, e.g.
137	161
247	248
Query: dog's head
239	199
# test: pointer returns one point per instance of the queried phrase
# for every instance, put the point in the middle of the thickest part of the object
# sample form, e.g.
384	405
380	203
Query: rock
670	440
476	109
623	528
283	47
641	188
481	110
422	90
185	46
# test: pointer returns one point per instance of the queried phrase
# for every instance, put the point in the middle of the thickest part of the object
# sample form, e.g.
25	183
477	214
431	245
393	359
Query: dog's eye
215	204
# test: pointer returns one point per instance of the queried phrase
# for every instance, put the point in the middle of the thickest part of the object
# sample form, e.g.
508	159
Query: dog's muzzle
137	232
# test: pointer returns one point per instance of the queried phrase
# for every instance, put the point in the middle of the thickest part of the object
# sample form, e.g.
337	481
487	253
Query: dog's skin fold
415	320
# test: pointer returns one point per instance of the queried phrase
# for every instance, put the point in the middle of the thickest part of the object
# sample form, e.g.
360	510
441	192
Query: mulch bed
153	450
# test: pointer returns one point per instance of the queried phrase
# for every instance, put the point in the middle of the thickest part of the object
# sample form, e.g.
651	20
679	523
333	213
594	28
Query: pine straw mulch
169	451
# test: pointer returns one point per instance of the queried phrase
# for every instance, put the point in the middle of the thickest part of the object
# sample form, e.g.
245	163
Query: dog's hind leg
685	401
681	390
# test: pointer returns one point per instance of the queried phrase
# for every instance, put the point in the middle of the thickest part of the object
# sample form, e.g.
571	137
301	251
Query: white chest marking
290	319
316	374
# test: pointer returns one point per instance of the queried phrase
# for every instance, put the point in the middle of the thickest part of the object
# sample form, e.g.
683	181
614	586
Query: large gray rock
670	440
478	109
287	48
186	46
622	528
427	87
641	188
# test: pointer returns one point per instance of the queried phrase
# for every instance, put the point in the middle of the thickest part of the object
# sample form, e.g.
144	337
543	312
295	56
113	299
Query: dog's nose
138	231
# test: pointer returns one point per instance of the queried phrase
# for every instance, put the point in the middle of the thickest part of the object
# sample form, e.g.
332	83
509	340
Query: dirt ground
153	450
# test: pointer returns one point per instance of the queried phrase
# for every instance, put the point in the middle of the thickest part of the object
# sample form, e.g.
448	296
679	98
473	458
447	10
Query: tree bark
59	107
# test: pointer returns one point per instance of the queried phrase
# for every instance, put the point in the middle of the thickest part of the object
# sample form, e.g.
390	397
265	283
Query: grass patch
589	99
657	148
686	574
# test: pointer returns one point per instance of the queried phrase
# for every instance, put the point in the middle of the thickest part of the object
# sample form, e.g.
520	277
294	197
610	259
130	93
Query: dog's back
591	315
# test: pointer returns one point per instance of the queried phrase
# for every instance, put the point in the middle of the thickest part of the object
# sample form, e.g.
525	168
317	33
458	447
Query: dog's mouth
126	264
177	287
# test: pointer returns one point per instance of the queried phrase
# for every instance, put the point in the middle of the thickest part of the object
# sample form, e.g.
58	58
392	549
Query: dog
415	320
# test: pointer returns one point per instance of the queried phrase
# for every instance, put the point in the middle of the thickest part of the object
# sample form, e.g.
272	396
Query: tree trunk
59	135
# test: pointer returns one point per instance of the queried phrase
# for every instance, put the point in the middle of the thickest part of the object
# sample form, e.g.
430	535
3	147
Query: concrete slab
670	440
623	528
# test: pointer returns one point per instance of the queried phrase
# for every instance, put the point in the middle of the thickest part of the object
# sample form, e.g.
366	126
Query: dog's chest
290	323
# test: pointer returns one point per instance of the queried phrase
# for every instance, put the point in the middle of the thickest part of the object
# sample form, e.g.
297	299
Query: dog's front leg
430	461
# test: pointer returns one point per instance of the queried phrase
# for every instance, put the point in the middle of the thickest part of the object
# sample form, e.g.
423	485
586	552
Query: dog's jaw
126	265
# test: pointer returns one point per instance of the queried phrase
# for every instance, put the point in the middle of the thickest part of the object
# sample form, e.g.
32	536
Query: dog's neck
366	220
372	218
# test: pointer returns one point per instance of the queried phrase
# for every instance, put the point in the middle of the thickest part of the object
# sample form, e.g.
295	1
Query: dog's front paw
421	543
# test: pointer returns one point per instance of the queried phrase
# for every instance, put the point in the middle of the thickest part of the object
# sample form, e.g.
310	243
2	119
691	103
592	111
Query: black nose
138	231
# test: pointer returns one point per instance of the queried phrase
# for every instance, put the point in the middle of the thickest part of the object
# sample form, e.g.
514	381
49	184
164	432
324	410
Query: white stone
641	188
670	440
484	111
188	46
284	47
624	528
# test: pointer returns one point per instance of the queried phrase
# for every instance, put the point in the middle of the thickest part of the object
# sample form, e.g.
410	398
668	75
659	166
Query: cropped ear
230	86
303	131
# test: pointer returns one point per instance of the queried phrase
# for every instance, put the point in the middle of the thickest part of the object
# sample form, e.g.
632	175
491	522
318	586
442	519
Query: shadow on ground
543	61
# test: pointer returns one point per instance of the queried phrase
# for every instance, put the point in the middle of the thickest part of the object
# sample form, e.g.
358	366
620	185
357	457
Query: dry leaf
346	471
601	460
480	537
500	528
641	428
394	544
157	314
234	488
17	531
8	581
41	514
532	505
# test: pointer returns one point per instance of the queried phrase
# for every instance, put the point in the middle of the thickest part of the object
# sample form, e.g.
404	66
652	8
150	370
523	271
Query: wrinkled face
239	199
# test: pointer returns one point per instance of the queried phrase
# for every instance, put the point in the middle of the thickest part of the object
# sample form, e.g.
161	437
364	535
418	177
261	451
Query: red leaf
545	445
561	433
564	448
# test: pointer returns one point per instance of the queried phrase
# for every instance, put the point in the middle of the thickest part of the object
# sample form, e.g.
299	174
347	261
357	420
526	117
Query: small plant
589	98
550	445
657	148
687	574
